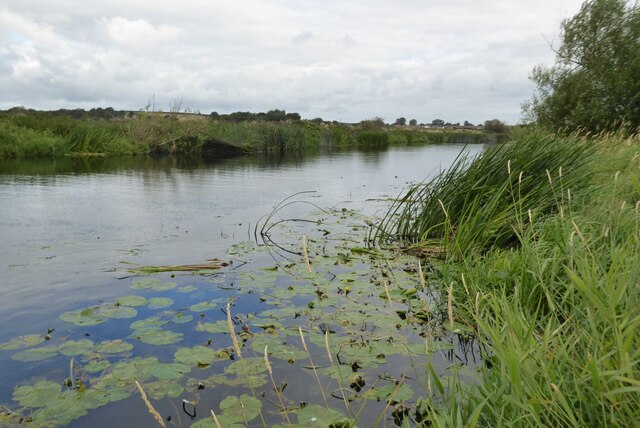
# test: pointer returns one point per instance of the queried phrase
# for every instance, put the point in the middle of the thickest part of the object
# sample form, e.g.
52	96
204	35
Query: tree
495	125
594	83
413	122
401	121
437	122
467	123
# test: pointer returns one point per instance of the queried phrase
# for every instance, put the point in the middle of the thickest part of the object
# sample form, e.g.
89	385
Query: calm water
68	227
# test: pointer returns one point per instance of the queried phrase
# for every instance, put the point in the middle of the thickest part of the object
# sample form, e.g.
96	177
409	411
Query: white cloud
349	60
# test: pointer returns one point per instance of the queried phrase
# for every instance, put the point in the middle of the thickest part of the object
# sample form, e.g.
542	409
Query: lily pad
240	410
35	354
169	370
386	392
148	323
316	416
153	284
200	356
220	326
158	337
163	388
113	347
96	366
38	394
187	289
98	314
22	342
205	306
160	302
76	347
131	300
247	367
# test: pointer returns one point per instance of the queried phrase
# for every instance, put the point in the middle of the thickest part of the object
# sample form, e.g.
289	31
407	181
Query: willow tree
594	84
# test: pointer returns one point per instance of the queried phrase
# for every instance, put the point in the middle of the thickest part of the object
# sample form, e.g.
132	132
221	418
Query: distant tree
437	122
293	116
401	121
317	120
373	123
276	115
495	125
595	81
467	123
413	122
214	114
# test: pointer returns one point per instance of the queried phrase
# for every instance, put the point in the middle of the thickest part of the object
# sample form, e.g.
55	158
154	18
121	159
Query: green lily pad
277	348
96	366
178	317
158	337
160	302
152	284
113	347
38	394
240	410
220	326
163	388
205	306
76	347
316	416
131	300
22	342
247	367
35	354
386	392
98	314
200	356
187	289
169	370
154	323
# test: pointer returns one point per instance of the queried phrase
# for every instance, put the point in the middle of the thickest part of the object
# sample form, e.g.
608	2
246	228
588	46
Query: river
71	228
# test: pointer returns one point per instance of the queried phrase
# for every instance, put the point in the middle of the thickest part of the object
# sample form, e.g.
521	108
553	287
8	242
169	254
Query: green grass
28	133
552	297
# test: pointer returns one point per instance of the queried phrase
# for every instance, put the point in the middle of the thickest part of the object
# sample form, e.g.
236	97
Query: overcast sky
337	59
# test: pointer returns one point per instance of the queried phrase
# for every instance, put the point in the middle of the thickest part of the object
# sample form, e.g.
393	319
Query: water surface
70	228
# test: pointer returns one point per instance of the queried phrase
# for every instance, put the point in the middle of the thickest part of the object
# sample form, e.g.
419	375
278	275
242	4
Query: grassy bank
28	133
540	240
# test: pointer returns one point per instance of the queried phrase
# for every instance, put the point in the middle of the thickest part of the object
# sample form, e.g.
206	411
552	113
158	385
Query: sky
345	60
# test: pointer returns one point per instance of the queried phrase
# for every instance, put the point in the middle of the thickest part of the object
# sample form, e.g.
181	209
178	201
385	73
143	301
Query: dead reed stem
315	372
234	339
305	253
150	407
273	382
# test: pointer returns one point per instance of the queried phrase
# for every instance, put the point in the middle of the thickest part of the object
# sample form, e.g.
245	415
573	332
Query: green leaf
169	370
160	302
316	416
35	354
200	356
21	342
158	337
76	347
113	347
131	300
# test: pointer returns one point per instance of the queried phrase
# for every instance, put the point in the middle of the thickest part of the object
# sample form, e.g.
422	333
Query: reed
554	301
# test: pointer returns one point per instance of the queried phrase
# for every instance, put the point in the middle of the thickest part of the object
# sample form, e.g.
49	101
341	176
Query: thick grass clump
481	203
554	303
372	138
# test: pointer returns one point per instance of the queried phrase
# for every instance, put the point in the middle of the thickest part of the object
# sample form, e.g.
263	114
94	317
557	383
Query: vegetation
540	241
30	133
594	83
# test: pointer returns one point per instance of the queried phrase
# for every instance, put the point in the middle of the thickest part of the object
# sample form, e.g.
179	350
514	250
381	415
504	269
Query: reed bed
544	265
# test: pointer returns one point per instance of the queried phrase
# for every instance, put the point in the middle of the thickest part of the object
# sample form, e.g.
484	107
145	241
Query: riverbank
539	243
27	133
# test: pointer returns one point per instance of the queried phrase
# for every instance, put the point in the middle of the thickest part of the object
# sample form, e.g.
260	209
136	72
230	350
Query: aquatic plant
554	300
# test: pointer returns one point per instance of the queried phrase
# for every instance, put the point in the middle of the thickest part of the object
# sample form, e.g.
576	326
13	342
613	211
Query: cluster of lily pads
358	309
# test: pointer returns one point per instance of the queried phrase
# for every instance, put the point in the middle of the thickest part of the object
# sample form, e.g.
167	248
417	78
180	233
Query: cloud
349	60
